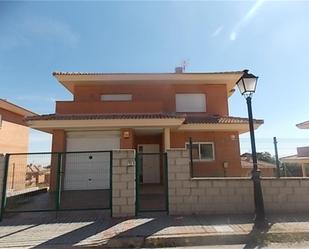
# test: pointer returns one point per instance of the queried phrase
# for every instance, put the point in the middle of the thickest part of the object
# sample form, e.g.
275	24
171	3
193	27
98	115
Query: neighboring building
37	175
14	138
267	169
149	112
302	156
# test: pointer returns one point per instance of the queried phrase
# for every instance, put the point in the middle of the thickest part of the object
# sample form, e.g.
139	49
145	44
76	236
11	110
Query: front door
150	163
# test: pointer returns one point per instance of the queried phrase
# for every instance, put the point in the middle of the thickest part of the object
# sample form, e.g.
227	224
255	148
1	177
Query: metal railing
51	181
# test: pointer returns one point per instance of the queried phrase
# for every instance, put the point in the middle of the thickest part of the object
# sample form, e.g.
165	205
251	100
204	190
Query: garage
89	169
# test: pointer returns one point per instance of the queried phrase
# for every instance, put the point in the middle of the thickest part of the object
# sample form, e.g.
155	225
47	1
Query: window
190	102
203	151
116	97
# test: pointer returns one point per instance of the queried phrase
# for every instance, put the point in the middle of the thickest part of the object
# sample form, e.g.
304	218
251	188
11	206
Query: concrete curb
205	239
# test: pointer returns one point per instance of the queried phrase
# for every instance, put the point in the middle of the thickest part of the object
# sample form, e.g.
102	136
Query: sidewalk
84	230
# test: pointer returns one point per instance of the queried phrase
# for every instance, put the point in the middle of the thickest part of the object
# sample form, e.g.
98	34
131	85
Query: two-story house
149	112
14	138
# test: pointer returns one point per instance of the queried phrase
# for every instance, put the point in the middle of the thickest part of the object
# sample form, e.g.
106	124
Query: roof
180	121
71	79
101	73
245	163
105	116
303	125
216	119
189	119
6	105
294	159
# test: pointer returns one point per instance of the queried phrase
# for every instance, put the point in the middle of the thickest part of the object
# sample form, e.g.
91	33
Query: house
148	112
302	156
37	175
14	136
267	169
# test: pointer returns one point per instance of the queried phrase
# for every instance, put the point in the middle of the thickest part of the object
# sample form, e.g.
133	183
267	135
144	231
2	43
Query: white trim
105	123
199	151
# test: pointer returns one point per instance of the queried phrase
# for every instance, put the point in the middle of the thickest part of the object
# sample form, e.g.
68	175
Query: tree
262	156
266	157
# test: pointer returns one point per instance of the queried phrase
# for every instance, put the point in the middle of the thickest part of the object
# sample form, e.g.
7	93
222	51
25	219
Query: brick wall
1	176
123	190
229	195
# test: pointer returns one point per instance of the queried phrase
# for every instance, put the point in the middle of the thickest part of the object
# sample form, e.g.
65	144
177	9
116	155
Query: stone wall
286	194
229	195
123	185
204	196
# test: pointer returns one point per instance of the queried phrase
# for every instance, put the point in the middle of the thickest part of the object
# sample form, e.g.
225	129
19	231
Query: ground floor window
202	151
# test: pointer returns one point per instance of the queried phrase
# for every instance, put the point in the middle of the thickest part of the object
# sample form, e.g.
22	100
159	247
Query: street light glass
247	84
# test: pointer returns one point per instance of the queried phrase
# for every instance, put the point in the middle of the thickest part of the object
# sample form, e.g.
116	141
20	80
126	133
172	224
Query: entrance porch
151	170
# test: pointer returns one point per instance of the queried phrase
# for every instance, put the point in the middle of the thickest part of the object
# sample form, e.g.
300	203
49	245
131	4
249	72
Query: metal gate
36	182
151	196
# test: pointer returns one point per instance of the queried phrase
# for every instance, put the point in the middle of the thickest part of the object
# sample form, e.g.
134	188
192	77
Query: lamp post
247	86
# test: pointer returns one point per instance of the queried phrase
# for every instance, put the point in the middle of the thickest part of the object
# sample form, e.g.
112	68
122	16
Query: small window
203	151
116	97
190	102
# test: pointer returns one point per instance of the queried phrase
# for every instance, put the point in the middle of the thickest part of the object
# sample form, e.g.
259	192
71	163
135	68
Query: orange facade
154	98
226	150
145	98
14	139
13	133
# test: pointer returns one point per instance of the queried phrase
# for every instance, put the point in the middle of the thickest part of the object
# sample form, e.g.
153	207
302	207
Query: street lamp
247	86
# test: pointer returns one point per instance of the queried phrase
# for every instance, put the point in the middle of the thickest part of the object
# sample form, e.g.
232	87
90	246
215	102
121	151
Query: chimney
178	70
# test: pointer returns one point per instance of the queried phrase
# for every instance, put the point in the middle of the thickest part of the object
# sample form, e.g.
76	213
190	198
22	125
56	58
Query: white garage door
90	170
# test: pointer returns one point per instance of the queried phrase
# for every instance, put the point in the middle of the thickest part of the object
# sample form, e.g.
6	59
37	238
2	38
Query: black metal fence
36	182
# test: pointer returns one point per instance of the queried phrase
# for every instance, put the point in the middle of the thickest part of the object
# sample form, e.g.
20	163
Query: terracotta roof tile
189	118
216	119
101	73
106	116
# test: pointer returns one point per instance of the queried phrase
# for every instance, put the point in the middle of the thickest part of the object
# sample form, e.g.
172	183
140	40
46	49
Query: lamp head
247	83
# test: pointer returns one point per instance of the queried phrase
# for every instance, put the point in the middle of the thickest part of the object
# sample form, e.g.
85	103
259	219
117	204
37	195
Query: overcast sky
270	38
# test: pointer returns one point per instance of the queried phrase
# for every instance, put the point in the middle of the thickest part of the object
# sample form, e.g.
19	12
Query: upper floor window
116	97
190	102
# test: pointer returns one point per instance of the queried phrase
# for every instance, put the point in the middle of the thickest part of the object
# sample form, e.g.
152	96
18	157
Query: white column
167	138
303	169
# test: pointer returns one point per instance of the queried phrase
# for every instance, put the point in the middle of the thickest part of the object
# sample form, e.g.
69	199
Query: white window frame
181	108
116	97
199	151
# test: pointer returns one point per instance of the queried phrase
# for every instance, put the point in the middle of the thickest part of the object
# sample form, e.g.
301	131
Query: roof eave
69	80
6	105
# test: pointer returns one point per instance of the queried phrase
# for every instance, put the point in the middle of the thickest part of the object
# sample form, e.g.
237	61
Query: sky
270	38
